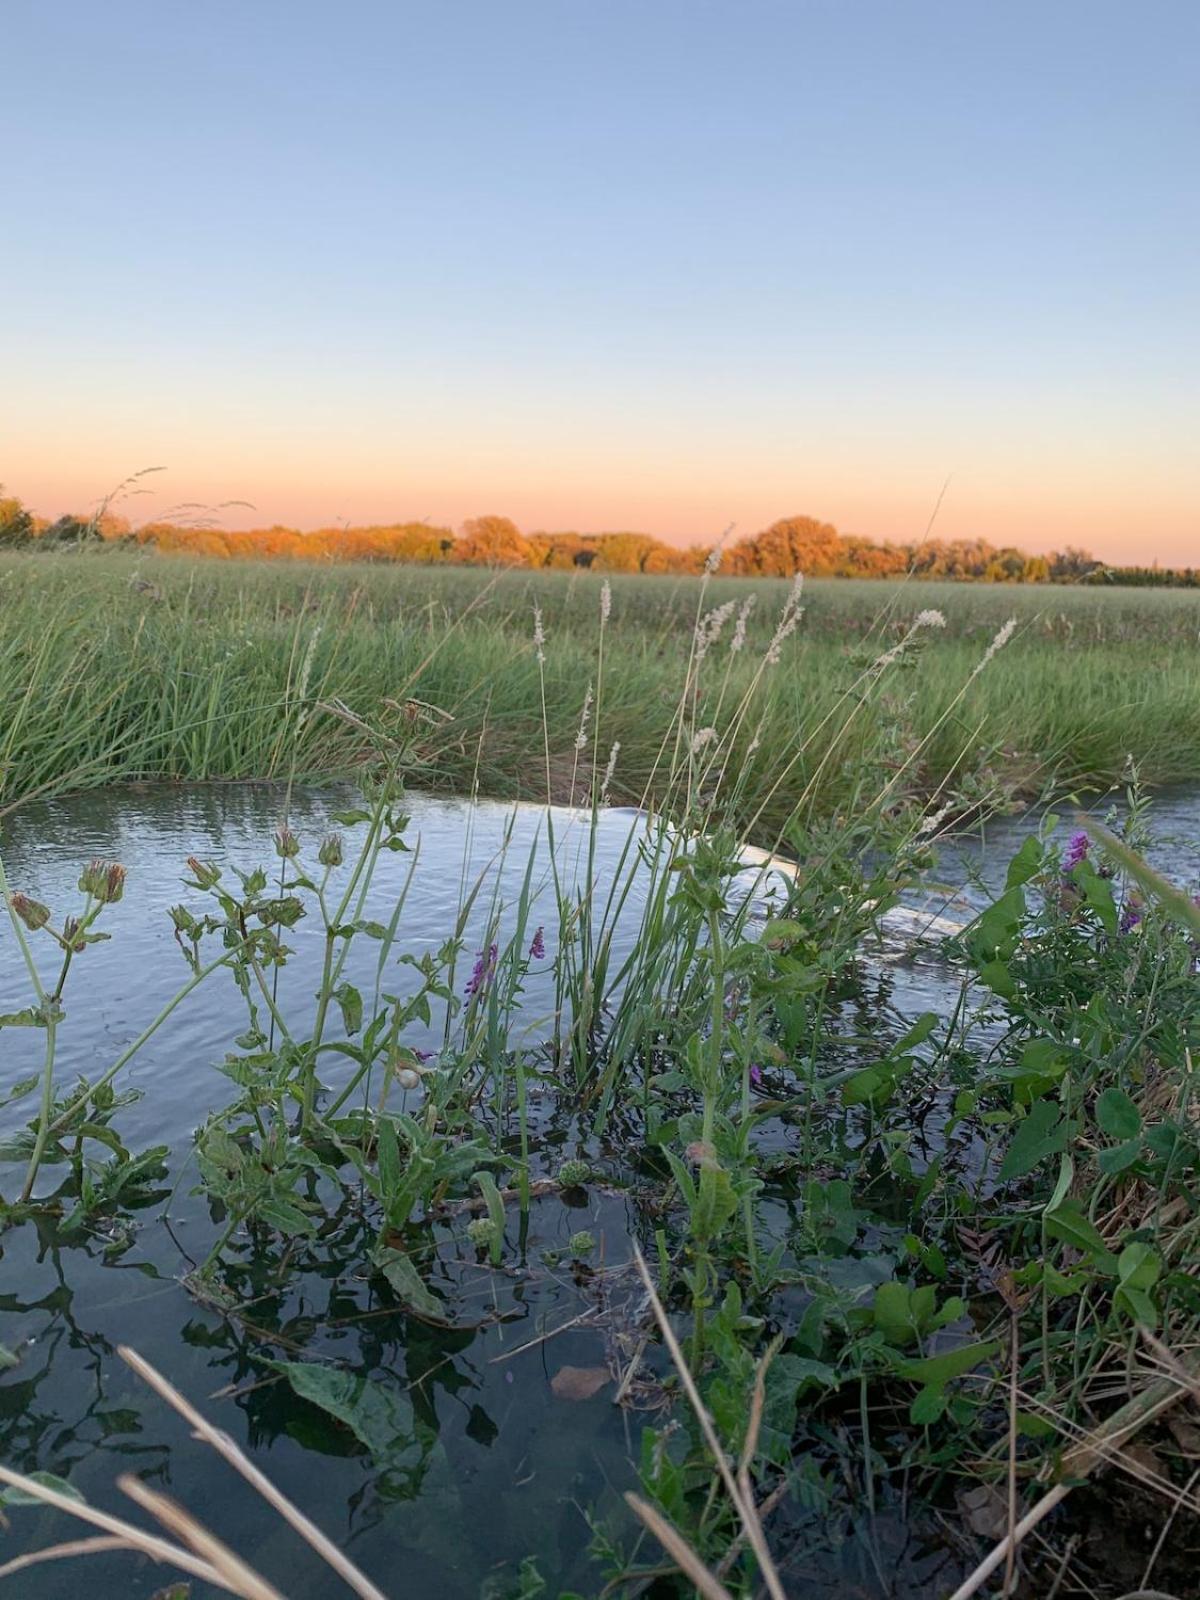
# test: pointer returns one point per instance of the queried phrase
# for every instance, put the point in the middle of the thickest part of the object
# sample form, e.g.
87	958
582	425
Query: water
491	1463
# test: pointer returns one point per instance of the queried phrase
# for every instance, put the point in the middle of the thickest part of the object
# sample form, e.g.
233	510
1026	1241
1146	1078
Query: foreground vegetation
905	1260
158	667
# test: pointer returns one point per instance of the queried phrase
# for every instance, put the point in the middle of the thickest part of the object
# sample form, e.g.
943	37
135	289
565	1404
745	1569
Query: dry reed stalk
127	1532
677	1547
1096	1450
235	1575
224	1446
742	1504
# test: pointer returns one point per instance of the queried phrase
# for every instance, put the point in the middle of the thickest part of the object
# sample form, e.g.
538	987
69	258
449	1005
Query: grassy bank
115	666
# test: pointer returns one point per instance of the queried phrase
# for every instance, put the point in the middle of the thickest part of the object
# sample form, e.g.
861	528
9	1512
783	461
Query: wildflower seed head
31	912
585	717
708	629
609	770
581	1244
205	873
573	1174
605	601
1002	637
103	881
537	948
287	844
539	635
739	633
702	738
929	619
481	1231
330	852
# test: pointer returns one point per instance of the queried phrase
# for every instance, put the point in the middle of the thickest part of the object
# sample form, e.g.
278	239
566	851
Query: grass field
120	665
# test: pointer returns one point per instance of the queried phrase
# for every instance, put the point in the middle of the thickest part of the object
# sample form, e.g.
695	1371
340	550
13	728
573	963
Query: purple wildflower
483	971
756	1076
1076	851
1131	915
537	950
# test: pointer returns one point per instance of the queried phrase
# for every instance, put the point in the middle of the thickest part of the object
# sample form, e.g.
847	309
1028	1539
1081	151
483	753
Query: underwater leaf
1117	1115
48	1480
579	1383
1042	1133
407	1283
379	1418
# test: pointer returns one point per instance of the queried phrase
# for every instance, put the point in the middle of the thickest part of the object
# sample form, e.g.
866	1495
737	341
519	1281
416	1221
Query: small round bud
408	1078
481	1231
287	844
205	873
330	853
581	1244
31	912
573	1174
104	881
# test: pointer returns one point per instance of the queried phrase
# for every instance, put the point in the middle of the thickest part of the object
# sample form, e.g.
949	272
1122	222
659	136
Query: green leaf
1138	1304
927	1405
862	1087
350	1001
949	1364
379	1418
1042	1133
917	1034
1068	1224
1117	1115
1025	863
996	976
407	1284
1139	1266
1116	1157
20	1089
893	1312
102	1135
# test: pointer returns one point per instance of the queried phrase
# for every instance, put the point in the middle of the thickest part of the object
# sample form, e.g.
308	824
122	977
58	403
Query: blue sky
660	265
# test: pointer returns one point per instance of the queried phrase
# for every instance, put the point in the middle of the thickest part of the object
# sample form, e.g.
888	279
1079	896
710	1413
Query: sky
665	265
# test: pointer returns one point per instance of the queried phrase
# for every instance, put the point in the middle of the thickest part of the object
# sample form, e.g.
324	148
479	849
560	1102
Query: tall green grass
116	665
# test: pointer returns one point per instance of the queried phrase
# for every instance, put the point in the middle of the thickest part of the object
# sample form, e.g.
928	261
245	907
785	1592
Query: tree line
787	546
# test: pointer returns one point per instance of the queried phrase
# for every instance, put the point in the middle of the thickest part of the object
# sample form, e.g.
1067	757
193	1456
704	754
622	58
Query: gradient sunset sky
611	264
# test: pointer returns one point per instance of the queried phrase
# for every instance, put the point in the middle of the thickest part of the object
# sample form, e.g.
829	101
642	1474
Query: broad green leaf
1116	1157
379	1418
1068	1224
1025	863
1138	1304
928	1405
917	1034
1117	1115
407	1283
893	1312
1139	1266
996	977
1042	1133
949	1364
350	1002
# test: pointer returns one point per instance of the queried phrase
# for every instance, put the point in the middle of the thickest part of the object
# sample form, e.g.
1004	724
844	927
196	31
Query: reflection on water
489	1464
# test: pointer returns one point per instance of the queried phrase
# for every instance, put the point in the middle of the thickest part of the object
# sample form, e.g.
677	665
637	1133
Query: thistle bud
104	881
330	853
205	873
183	919
31	912
286	843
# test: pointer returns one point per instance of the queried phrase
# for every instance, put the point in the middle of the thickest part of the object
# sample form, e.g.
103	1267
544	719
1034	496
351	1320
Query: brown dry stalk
224	1446
1097	1449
